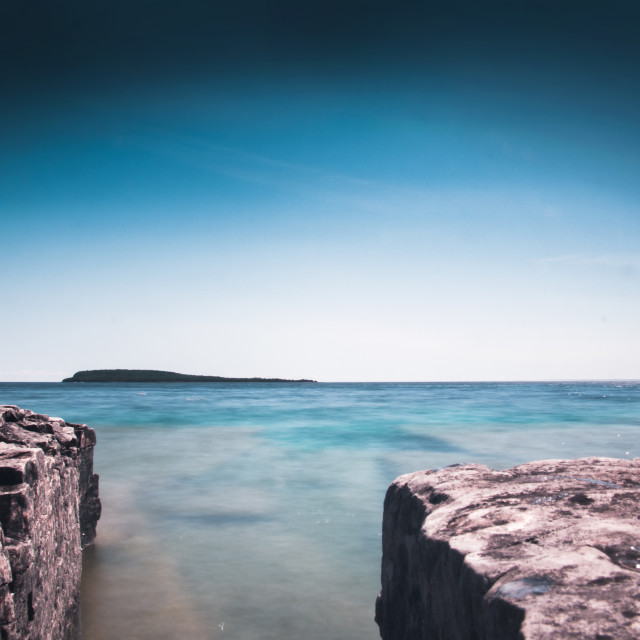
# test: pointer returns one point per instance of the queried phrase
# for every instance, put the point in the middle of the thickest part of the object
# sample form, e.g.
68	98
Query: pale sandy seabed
131	589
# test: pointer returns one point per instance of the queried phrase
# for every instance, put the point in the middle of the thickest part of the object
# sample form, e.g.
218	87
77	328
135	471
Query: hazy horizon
247	380
337	191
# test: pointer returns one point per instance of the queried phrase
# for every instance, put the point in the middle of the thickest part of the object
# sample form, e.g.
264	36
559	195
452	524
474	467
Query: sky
342	191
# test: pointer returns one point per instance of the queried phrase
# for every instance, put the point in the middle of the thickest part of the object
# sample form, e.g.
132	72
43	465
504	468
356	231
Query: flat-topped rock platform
544	550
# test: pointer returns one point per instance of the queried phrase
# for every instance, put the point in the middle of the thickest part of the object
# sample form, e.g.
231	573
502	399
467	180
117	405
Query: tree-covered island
150	375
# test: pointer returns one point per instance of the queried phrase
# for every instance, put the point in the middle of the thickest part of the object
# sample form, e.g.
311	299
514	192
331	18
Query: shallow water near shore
253	511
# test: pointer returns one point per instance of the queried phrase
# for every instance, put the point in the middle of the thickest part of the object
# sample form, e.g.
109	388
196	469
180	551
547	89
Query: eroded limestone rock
49	507
545	550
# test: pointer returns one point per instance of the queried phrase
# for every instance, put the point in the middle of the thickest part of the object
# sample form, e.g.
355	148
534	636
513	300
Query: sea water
253	511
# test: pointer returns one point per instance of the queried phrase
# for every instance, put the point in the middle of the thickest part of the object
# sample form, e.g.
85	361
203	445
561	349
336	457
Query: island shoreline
153	376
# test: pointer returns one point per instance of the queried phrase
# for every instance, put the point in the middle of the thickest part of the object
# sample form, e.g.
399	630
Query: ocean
253	511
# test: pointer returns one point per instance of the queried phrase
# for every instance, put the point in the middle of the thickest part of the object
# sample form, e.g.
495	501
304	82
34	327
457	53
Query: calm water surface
253	511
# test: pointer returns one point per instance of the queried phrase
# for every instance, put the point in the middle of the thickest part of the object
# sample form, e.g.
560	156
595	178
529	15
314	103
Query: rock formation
546	550
49	508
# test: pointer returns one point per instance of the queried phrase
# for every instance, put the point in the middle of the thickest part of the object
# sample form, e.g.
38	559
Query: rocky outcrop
49	508
545	550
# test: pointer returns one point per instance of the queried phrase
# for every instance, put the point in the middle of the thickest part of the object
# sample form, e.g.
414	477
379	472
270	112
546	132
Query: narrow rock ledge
49	508
546	550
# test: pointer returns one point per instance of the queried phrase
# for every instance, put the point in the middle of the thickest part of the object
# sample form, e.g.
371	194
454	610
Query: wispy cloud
625	262
312	182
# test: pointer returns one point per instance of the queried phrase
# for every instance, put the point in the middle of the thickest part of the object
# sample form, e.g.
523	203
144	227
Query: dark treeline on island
149	375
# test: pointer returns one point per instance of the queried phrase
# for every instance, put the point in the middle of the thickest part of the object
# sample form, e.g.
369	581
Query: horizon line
465	381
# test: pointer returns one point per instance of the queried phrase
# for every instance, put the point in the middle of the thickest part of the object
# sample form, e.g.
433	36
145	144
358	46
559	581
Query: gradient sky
334	190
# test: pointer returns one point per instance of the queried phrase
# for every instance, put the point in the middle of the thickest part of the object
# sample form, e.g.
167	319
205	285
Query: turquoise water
253	511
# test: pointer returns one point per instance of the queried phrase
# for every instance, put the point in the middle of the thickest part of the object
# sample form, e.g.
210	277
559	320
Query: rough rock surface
545	550
49	508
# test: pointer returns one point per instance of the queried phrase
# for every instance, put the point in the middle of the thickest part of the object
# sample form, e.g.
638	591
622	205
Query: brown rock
545	550
49	508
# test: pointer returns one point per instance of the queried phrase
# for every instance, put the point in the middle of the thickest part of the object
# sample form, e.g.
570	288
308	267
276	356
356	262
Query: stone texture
49	508
545	550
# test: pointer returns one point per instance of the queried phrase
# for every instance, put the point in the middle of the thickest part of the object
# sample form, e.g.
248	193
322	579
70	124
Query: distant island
150	375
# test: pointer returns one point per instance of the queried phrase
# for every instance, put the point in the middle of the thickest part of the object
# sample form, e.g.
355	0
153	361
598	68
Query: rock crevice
49	508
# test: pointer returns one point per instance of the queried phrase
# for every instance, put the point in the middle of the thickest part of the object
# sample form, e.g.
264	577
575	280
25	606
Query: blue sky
463	215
